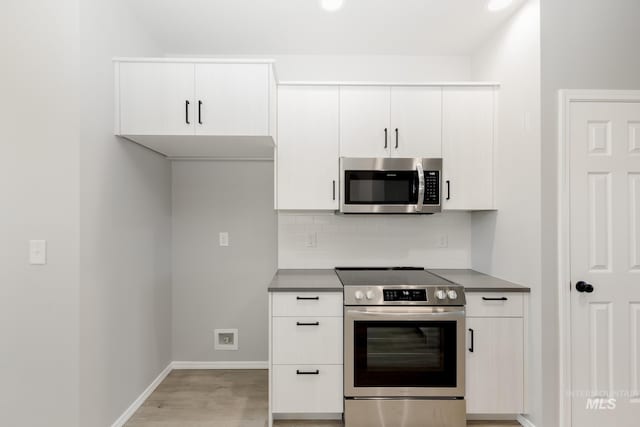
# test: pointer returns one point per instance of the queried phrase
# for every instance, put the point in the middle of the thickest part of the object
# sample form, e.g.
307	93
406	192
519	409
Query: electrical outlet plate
225	339
224	238
443	241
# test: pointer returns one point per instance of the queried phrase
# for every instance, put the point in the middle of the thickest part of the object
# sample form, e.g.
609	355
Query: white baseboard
140	400
525	421
220	365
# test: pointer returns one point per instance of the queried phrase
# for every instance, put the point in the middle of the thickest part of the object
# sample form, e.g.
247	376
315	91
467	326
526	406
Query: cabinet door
416	122
156	99
364	116
468	121
233	99
308	126
495	368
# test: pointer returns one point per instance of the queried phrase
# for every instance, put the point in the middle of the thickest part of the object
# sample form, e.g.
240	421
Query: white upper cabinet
468	144
232	99
227	107
365	129
398	121
155	99
416	121
307	152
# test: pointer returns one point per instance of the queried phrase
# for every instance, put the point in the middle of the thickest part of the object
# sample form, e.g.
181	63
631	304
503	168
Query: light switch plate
37	252
224	238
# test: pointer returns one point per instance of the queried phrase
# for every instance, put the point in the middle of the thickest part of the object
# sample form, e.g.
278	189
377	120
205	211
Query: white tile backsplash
374	240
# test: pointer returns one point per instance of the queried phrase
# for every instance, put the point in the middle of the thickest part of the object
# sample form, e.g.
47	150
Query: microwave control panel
431	187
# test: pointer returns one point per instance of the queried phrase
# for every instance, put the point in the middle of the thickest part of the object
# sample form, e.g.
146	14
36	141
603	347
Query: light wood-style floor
219	398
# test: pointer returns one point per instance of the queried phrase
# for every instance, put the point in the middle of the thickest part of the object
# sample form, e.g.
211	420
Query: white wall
218	287
125	234
386	68
378	240
38	200
586	44
506	243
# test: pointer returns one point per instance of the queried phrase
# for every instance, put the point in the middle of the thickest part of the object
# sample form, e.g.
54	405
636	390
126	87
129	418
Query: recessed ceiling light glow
331	5
496	5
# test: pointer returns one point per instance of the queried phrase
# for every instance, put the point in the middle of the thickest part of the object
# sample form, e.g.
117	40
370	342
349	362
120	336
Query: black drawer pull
495	299
472	339
307	298
308	324
316	372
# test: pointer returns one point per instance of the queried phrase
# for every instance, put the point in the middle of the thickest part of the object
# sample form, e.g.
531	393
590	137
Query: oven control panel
452	295
405	295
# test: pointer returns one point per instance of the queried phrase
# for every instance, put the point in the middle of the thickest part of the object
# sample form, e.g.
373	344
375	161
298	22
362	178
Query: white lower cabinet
306	332
307	340
307	388
495	369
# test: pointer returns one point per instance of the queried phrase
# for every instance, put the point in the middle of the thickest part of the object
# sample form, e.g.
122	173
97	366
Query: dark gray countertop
324	280
474	281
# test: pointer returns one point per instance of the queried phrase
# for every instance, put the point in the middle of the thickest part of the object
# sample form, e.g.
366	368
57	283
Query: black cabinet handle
308	324
186	111
385	138
334	189
299	372
200	112
472	339
495	299
396	138
583	286
308	298
448	190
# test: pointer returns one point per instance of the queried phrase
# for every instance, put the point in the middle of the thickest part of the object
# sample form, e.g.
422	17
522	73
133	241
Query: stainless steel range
404	338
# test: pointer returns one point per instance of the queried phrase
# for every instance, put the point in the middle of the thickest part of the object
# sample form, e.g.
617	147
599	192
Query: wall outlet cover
224	238
225	339
37	252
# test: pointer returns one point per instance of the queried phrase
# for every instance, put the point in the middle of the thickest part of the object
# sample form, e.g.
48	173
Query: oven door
404	351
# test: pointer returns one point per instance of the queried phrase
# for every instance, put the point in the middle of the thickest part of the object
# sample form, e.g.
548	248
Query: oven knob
441	294
370	294
359	295
452	294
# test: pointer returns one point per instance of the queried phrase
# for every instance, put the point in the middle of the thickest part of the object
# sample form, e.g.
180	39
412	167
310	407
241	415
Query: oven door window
405	354
381	188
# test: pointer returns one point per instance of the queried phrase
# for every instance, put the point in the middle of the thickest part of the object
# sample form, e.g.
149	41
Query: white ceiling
368	27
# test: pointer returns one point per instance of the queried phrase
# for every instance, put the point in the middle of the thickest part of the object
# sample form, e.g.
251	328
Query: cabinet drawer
307	340
319	392
495	304
296	304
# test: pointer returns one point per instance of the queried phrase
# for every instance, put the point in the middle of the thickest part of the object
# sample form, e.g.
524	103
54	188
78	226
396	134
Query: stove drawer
307	340
307	388
495	304
296	304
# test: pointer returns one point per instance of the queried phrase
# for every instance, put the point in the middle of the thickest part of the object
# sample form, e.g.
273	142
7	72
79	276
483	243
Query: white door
604	143
494	377
156	99
308	126
364	121
467	146
416	122
232	99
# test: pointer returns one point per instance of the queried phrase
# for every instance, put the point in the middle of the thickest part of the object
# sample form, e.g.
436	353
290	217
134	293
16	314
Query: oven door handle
452	313
420	172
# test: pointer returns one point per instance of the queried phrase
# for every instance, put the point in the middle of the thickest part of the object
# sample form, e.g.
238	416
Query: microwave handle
420	187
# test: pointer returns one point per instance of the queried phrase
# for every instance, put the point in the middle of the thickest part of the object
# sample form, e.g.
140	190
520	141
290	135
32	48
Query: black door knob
582	286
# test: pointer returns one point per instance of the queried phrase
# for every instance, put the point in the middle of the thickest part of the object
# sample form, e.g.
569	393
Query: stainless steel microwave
390	185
